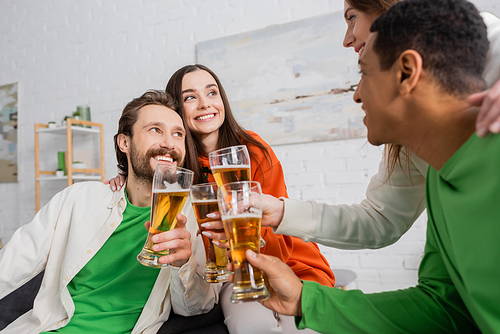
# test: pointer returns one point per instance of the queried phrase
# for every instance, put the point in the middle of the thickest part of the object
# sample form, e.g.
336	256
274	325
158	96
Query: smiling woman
205	109
359	16
204	106
206	112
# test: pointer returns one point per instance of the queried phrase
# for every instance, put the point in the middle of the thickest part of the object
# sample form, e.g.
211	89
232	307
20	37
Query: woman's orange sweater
304	258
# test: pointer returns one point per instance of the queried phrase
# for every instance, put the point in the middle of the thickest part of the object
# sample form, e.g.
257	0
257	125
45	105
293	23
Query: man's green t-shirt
111	290
457	289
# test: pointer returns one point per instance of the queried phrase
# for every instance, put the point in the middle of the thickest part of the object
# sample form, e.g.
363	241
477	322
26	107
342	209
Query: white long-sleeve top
392	204
63	237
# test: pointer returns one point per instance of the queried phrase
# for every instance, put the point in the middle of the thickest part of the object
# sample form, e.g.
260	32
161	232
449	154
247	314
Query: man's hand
283	285
179	239
273	210
488	119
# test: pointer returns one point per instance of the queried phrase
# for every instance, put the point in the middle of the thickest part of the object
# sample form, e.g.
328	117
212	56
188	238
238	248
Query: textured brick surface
104	53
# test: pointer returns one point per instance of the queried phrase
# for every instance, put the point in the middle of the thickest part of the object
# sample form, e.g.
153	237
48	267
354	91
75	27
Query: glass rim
180	169
227	204
206	184
254	184
208	189
220	150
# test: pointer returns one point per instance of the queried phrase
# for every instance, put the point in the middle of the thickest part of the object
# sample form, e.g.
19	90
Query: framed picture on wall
291	83
8	133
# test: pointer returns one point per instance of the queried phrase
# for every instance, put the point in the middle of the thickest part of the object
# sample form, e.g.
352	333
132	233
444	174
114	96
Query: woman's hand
117	182
273	210
488	119
214	229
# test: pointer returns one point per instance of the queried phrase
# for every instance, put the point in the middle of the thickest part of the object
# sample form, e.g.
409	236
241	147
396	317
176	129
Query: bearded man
87	239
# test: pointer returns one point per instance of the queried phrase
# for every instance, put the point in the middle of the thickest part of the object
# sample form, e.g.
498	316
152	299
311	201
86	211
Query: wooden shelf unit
71	173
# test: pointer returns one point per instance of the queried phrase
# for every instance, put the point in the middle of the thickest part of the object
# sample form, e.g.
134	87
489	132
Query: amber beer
231	164
216	258
244	233
240	205
166	205
228	174
170	189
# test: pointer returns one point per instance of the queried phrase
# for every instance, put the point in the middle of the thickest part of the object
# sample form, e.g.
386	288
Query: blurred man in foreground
421	62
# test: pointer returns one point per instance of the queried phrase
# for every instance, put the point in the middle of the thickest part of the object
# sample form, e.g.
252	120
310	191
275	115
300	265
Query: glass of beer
170	190
231	164
240	206
204	201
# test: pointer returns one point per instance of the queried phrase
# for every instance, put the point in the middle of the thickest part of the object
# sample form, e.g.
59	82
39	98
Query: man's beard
141	164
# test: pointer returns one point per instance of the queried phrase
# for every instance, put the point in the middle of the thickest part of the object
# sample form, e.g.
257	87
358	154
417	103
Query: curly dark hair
450	35
129	118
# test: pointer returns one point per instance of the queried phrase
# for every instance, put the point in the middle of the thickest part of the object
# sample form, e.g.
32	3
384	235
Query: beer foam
204	201
216	168
255	214
169	191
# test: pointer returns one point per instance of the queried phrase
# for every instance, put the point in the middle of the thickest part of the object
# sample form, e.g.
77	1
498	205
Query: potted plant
63	122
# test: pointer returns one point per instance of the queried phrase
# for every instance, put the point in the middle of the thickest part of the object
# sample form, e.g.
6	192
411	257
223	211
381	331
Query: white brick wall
338	172
104	53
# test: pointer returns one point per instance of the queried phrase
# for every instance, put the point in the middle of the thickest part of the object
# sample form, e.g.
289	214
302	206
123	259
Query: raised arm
391	206
434	306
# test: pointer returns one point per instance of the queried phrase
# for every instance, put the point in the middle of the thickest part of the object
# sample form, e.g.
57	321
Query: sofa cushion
19	301
208	323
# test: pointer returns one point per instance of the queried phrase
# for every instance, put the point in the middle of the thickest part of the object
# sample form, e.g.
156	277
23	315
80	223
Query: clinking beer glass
204	201
240	206
170	190
231	164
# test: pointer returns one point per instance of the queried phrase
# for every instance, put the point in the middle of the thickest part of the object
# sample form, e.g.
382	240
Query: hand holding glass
204	201
170	190
231	164
240	205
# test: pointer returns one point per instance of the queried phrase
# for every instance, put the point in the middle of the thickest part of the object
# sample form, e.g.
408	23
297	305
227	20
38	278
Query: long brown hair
129	118
392	152
371	6
231	133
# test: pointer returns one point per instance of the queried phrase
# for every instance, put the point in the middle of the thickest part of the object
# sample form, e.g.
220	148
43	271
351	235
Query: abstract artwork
290	83
8	133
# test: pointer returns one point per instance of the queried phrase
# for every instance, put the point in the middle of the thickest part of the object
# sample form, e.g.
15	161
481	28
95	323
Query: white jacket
391	205
63	237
